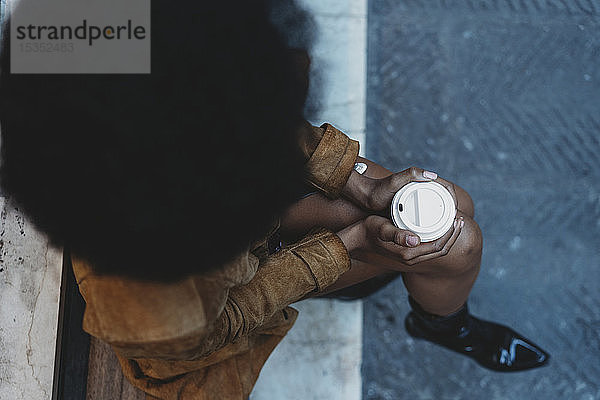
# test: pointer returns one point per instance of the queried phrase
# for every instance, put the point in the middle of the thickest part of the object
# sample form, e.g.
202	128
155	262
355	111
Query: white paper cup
425	208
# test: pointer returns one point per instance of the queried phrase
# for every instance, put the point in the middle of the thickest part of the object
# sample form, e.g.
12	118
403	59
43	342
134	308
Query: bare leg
441	285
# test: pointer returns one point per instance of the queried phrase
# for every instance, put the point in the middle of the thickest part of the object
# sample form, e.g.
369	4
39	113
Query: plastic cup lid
425	208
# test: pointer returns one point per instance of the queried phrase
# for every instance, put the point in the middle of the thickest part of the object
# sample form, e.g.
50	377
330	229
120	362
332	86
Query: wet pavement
503	98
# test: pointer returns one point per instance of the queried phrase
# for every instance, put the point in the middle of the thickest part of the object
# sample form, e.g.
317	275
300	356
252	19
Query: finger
389	233
454	236
435	246
445	250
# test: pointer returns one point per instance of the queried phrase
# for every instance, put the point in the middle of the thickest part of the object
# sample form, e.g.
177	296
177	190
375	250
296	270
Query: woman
180	196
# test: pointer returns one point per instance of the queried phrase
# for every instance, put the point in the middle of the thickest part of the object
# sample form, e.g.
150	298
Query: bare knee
465	202
467	250
465	254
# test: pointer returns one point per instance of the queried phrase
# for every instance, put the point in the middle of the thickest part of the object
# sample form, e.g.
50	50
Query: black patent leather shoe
492	345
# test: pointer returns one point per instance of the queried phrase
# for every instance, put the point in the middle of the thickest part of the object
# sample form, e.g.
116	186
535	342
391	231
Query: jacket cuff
325	256
330	165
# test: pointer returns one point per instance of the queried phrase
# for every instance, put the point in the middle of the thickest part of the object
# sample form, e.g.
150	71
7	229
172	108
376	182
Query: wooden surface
105	379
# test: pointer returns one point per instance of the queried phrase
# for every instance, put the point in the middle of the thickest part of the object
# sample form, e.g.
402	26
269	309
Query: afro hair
158	176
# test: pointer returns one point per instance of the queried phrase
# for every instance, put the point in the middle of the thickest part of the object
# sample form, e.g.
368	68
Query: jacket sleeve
330	156
310	265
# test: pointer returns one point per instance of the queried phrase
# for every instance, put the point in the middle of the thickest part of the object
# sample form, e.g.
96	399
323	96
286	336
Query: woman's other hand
375	195
376	234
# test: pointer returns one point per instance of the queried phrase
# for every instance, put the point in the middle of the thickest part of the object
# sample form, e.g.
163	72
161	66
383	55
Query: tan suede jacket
208	336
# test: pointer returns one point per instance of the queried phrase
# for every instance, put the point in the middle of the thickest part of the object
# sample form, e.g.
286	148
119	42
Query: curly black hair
158	176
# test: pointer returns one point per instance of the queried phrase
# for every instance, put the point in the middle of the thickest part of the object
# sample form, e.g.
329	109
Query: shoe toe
518	353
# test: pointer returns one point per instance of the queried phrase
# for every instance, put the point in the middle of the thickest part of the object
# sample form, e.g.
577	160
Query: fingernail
412	240
462	223
429	175
455	223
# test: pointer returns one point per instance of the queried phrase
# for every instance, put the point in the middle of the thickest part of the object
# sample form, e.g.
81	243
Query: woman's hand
375	195
379	235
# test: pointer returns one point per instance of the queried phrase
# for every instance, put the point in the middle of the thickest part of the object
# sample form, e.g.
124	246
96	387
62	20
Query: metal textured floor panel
503	98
